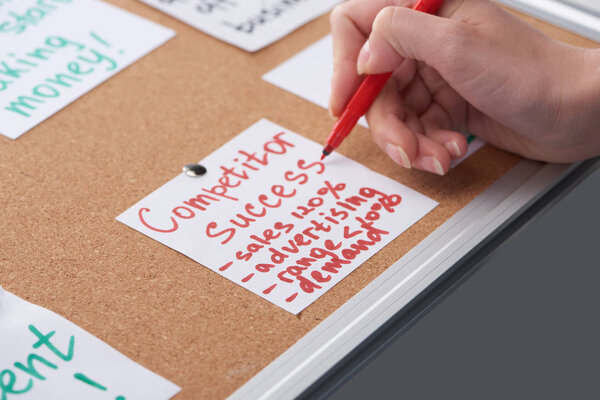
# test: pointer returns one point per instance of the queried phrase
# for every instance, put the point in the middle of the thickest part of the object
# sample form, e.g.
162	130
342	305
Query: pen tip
326	151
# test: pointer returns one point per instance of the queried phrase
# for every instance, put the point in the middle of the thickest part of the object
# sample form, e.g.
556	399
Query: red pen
366	93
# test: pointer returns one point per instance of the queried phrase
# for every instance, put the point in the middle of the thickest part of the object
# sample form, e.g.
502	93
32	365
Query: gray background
590	5
525	326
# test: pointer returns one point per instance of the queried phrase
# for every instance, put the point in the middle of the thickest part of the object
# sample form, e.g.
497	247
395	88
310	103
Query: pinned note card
249	24
308	75
54	51
271	217
44	356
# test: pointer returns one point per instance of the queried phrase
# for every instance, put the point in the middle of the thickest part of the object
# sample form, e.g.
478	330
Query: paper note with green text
54	51
44	356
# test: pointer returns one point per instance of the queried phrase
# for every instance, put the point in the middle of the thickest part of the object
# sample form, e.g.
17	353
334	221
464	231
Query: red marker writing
366	93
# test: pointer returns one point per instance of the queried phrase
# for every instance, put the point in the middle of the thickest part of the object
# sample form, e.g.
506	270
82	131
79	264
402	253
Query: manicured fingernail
398	154
363	58
453	148
433	165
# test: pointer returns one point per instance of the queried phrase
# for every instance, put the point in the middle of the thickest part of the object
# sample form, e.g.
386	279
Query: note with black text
249	24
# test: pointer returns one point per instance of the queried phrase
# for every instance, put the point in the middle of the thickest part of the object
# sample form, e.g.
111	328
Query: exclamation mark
99	39
102	41
85	379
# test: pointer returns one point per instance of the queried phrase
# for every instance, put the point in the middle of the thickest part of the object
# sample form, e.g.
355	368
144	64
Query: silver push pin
194	170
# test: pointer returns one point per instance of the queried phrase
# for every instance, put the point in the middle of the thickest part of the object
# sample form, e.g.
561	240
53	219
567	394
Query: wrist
588	100
580	111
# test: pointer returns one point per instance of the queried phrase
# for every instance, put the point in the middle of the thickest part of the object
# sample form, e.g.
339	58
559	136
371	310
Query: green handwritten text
17	22
8	378
87	59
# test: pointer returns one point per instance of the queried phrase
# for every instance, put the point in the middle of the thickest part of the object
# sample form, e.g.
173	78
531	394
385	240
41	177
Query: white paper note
308	75
44	356
54	51
248	24
269	216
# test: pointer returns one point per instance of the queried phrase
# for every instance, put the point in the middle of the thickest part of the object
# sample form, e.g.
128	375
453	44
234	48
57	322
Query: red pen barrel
428	6
357	107
367	92
342	128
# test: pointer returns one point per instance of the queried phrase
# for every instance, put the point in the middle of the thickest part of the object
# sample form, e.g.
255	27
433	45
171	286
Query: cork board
63	183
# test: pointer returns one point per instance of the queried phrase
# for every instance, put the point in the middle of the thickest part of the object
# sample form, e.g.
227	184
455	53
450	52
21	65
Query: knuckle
460	32
339	13
456	38
385	19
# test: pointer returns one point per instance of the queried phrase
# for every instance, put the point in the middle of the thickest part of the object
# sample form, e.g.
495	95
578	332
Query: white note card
44	356
54	51
271	217
308	75
248	24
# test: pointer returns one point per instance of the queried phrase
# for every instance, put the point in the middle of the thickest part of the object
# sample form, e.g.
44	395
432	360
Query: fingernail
398	154
330	111
453	148
363	58
433	165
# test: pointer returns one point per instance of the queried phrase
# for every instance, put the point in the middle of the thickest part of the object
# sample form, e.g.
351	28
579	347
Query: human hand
474	68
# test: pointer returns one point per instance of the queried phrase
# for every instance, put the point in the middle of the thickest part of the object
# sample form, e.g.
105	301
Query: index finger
351	24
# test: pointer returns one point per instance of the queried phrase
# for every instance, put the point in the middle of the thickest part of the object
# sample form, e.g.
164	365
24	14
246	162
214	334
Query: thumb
400	33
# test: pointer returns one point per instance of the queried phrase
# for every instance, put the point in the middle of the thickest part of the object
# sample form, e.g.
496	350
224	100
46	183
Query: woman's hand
474	68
